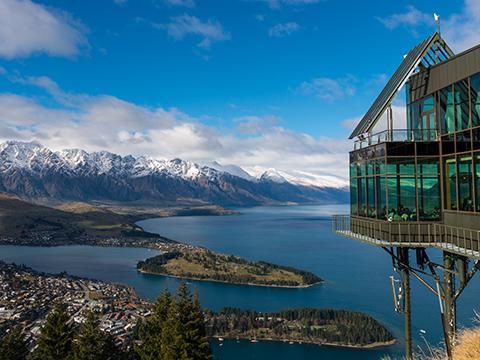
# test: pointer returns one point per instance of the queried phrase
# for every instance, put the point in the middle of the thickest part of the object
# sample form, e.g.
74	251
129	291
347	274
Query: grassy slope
18	216
199	263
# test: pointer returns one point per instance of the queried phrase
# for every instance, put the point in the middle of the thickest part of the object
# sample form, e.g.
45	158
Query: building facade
418	187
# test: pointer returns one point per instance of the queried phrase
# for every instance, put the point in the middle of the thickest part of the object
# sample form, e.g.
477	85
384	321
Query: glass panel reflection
465	183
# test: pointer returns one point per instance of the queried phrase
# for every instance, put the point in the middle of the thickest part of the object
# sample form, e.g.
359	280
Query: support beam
403	254
450	303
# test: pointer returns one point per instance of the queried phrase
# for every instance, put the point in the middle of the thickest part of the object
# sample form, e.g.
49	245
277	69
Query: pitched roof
424	53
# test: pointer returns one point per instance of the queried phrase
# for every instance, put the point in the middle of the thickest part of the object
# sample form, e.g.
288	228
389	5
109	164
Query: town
26	297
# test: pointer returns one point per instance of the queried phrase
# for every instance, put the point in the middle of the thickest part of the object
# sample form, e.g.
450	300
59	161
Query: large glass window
450	173
465	183
393	190
370	167
407	208
371	197
429	197
475	96
362	197
400	166
381	197
427	166
428	189
380	166
477	179
461	105
353	196
446	110
422	119
401	198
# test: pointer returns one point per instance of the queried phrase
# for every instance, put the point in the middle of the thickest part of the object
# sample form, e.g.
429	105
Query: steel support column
407	311
450	303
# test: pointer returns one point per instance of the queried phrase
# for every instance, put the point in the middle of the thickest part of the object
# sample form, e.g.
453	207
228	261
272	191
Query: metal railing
409	234
397	135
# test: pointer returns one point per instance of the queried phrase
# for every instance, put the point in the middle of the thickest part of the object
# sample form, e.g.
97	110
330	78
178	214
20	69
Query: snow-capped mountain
31	170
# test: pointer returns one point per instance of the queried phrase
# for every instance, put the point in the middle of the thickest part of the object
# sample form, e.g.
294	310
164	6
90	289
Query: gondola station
415	186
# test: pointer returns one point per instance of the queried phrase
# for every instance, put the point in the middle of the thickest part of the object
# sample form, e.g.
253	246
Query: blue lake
357	275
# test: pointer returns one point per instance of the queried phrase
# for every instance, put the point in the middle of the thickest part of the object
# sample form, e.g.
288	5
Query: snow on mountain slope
297	177
231	169
33	157
32	171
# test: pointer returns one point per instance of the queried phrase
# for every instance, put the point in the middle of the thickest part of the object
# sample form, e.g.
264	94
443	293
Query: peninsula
202	264
307	325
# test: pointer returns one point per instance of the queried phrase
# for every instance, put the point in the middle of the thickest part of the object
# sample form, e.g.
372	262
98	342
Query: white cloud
108	123
284	29
255	124
275	4
184	3
411	18
210	31
27	28
459	29
329	89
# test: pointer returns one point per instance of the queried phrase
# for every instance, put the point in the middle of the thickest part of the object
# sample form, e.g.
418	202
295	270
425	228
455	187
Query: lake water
357	275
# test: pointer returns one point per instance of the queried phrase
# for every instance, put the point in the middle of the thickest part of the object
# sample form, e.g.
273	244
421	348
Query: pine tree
13	346
175	331
91	343
202	346
193	344
55	341
150	333
171	340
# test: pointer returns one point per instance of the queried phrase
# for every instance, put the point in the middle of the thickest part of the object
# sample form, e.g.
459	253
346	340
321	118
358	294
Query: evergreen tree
202	346
175	331
91	343
150	334
194	344
55	341
171	341
13	346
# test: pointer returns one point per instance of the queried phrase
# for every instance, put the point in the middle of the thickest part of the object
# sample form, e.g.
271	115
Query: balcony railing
397	135
458	240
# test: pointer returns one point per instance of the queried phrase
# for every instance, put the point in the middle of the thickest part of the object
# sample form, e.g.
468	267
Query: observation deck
457	240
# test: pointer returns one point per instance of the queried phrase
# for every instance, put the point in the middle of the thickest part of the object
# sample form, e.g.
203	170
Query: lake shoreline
231	283
376	345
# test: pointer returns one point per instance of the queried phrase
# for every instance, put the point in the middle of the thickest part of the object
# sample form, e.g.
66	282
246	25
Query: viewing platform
461	241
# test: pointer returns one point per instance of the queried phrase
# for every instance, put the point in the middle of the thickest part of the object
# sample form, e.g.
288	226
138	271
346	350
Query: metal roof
429	52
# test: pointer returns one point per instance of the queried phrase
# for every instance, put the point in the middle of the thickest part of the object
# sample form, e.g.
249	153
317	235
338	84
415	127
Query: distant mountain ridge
32	171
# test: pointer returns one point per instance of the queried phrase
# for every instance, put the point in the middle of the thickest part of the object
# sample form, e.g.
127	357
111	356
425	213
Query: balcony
397	135
461	241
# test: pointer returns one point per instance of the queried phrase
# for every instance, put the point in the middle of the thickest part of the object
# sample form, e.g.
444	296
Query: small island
341	328
202	264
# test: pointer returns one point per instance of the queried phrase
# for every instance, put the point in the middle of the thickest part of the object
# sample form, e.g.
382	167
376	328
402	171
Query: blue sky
257	83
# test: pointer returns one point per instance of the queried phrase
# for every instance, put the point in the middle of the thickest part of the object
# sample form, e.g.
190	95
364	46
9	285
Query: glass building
418	186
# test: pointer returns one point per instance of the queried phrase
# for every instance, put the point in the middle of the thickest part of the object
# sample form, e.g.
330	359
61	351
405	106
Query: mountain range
32	171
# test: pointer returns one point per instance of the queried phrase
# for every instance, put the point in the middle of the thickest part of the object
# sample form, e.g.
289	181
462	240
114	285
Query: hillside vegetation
316	326
33	224
203	264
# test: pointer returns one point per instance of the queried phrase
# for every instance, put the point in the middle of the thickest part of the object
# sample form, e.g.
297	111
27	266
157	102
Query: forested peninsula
314	326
